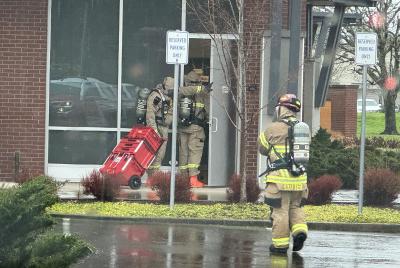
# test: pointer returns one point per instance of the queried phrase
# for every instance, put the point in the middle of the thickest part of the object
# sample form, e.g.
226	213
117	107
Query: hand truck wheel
135	182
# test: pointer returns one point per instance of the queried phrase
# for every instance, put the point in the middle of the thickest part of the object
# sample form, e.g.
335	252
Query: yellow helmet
168	83
192	77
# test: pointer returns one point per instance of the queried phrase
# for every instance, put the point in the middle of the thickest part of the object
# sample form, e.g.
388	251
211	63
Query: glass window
145	25
80	147
84	63
218	16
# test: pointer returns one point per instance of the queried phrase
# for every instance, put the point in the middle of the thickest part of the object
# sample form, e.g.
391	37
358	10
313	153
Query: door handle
214	124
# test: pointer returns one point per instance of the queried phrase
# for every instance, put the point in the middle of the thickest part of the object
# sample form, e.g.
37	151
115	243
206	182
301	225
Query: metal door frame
212	58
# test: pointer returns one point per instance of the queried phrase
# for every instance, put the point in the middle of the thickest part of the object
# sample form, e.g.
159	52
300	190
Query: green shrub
55	250
374	142
331	157
23	221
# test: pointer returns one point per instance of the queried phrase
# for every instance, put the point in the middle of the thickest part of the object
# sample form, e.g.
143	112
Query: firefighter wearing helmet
285	142
193	117
159	117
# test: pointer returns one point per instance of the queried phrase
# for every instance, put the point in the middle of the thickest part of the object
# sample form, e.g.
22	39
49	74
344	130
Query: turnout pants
287	214
191	143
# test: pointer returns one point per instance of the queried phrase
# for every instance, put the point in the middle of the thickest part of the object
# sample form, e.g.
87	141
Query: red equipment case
133	155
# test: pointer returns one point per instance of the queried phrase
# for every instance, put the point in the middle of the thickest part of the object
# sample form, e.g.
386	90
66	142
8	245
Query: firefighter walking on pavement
159	117
285	142
193	117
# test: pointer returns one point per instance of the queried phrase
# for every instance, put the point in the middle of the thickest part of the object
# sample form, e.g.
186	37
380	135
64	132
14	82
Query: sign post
177	51
366	54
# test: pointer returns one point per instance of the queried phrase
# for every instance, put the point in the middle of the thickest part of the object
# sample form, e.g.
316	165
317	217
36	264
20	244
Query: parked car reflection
82	102
78	102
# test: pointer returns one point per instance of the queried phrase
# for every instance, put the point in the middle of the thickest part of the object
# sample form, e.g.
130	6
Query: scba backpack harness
187	112
297	150
141	109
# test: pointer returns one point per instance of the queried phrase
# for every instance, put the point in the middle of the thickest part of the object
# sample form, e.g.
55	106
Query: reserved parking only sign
177	47
366	48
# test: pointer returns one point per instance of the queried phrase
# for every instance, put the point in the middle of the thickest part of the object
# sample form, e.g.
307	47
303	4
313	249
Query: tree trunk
243	102
390	114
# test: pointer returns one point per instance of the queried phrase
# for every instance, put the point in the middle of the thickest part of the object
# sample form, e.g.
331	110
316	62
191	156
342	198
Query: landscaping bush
390	160
105	188
252	189
24	238
320	190
24	176
373	142
330	157
381	187
160	182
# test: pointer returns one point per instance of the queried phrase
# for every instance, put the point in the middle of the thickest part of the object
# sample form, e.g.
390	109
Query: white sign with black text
366	48
177	47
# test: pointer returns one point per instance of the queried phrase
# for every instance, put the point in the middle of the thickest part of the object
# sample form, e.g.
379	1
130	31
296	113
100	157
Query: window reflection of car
371	106
82	102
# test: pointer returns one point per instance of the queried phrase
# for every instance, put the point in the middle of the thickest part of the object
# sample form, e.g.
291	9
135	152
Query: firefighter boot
195	183
276	250
298	241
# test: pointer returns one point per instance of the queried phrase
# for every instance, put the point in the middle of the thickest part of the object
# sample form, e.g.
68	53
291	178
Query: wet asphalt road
121	244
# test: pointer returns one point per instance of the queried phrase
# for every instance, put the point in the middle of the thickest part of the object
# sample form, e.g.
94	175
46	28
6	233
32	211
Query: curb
317	226
225	222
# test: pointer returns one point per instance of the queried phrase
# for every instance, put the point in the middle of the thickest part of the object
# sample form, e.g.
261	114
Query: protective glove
208	87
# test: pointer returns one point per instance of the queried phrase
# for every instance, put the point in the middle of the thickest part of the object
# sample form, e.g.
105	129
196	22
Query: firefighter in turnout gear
159	117
286	181
193	117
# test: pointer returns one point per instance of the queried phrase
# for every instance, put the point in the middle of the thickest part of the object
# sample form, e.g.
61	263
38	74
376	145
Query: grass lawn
376	125
327	213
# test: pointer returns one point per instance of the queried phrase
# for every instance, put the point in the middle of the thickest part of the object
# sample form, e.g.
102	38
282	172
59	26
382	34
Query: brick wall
261	21
23	48
344	109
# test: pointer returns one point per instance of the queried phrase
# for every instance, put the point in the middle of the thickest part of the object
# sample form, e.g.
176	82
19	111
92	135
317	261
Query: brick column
344	109
23	48
256	24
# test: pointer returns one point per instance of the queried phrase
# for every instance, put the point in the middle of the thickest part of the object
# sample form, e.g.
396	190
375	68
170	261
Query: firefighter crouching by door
193	117
286	144
159	117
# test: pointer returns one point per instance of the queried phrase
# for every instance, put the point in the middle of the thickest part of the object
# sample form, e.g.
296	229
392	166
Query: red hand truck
133	155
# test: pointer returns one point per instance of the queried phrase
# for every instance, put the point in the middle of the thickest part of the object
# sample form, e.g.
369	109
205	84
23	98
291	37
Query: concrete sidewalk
74	190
